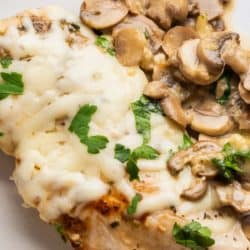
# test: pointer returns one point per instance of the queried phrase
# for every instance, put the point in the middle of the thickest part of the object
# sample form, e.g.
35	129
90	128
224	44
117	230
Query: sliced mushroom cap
101	14
198	156
245	223
246	82
244	93
236	57
174	38
129	46
156	90
197	190
212	8
239	110
152	33
235	196
211	125
192	68
209	50
172	108
164	12
137	6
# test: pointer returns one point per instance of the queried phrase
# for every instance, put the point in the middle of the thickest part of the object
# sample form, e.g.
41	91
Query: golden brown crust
99	232
39	18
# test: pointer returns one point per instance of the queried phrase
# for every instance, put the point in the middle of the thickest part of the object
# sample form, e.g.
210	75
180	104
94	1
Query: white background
20	228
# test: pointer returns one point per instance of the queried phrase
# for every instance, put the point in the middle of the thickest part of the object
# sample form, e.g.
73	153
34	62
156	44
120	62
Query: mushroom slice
156	90
236	57
137	6
209	50
212	8
235	196
196	191
165	12
244	93
172	108
245	223
129	46
211	125
246	82
174	38
152	33
198	156
101	14
192	68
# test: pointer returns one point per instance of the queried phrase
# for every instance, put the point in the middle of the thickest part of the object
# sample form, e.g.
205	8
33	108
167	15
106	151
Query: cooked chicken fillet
62	70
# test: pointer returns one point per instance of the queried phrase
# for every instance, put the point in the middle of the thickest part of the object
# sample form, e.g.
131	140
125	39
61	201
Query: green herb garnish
225	79
1	134
193	236
103	42
124	154
229	166
146	34
133	205
60	229
5	62
186	142
80	126
12	85
142	110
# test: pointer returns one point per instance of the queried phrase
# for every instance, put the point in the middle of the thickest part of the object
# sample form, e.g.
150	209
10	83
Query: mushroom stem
197	190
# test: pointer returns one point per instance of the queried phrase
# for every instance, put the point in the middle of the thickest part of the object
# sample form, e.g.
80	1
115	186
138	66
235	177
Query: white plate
20	228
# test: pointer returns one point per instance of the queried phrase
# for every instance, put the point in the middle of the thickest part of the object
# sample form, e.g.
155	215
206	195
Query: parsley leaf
80	126
60	229
186	142
144	152
106	44
6	62
124	154
193	236
142	110
146	34
96	143
225	81
132	169
12	85
229	166
133	205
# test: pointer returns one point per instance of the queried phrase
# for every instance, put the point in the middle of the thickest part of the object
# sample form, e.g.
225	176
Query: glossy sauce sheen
54	172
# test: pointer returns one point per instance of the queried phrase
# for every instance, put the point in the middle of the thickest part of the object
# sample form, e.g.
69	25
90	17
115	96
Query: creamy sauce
54	172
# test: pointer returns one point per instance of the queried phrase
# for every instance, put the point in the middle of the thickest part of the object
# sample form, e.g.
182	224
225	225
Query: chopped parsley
225	80
80	126
1	134
133	205
142	110
146	34
105	43
193	236
124	154
229	166
186	142
5	62
60	229
12	84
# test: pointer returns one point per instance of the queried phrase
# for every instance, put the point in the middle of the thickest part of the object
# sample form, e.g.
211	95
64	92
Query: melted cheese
54	171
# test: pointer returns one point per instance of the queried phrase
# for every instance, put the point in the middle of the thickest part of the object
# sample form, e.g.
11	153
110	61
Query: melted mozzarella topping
54	172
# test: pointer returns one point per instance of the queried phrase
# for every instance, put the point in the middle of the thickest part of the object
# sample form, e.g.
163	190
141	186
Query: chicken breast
74	178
